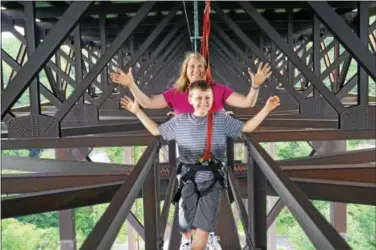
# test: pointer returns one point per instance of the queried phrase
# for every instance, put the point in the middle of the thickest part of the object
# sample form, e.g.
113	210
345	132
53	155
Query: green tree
85	220
43	220
296	234
287	150
361	230
116	154
20	152
25	236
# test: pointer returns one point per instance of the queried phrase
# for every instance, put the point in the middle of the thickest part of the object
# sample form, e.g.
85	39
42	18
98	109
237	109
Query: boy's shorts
195	212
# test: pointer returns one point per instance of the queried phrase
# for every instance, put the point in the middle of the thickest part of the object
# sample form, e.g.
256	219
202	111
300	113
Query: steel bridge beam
40	202
337	26
105	231
102	62
319	231
41	55
298	63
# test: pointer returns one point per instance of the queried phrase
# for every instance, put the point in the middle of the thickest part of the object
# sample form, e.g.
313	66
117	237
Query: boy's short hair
201	85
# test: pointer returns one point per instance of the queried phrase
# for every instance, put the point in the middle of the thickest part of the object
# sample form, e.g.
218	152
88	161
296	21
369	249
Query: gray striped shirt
190	134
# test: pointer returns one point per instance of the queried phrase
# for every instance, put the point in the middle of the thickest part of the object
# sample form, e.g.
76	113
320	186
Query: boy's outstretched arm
133	107
254	122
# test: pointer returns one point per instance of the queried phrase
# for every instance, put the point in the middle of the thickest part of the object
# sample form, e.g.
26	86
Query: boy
200	195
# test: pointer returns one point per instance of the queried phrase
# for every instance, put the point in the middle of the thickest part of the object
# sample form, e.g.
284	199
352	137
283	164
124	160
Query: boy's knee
200	240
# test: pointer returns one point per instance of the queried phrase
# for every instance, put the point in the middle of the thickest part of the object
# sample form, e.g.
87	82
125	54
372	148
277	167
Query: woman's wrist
255	87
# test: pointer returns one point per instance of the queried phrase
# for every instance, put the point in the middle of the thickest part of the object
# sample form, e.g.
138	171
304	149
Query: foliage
360	144
47	154
361	226
116	154
43	220
85	220
23	236
12	45
287	150
299	239
297	235
20	152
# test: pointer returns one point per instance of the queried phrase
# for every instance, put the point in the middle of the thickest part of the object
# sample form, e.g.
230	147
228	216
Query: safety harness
216	167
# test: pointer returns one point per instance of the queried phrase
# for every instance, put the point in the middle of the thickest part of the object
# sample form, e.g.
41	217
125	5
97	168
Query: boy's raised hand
272	103
128	104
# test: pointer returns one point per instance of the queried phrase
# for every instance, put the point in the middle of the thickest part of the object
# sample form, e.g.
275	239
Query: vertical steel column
290	32
59	80
129	159
273	59
66	73
102	32
150	194
121	58
335	85
1	75
169	192
316	51
67	230
363	35
250	192
131	46
195	34
32	43
175	237
262	45
120	24
66	217
256	204
90	65
271	201
338	217
78	59
171	155
226	226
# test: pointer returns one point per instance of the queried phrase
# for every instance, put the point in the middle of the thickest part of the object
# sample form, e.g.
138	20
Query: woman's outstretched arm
127	80
248	101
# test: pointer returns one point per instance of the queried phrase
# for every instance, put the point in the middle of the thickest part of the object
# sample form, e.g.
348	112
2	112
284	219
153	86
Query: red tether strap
205	39
205	53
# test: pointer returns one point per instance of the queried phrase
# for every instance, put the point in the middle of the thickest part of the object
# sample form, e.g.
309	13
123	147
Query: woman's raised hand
128	104
121	78
262	73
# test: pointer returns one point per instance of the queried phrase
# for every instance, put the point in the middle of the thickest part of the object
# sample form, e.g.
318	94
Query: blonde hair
182	83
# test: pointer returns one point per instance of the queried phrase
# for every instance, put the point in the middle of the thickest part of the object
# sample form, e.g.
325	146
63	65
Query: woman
193	69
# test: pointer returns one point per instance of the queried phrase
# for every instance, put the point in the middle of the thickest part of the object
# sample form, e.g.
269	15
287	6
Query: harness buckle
205	163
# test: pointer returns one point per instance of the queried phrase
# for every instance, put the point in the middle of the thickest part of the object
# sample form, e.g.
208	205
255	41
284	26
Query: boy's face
201	100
